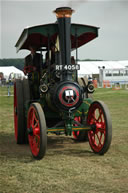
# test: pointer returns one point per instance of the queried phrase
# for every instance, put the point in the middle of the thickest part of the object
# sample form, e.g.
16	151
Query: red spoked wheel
79	135
37	131
100	135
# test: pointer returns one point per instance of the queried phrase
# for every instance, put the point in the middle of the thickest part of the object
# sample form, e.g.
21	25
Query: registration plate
68	67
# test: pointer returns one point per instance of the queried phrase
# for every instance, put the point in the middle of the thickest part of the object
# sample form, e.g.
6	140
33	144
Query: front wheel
37	131
100	135
80	136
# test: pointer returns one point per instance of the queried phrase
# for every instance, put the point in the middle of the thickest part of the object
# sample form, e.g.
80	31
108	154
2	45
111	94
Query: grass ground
68	167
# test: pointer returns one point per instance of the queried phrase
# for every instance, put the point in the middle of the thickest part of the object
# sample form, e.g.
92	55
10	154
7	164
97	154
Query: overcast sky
110	15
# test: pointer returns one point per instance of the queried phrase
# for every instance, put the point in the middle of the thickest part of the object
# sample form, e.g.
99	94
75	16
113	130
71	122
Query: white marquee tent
92	67
7	70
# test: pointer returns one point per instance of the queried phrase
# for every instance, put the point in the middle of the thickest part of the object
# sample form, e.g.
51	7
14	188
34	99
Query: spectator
33	66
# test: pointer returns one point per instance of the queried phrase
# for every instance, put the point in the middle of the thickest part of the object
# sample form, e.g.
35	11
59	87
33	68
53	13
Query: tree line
17	62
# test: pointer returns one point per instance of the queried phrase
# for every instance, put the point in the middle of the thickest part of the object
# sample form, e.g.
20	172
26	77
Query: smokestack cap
63	12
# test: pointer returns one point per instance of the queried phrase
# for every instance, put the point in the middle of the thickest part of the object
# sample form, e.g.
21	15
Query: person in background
32	68
33	62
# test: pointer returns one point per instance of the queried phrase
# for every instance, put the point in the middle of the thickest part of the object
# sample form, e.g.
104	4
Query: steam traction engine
64	104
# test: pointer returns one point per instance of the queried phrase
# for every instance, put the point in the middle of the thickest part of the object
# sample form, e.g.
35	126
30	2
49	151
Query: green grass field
68	167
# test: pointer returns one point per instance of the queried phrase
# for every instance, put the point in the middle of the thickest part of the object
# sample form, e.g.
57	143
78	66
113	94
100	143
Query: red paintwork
61	98
76	133
28	69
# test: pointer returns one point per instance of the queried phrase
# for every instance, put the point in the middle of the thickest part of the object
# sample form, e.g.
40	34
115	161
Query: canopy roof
38	35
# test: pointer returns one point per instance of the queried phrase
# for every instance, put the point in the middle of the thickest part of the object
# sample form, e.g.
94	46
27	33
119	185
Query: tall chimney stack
63	15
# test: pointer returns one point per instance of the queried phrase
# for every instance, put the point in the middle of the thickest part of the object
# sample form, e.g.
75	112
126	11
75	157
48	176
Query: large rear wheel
37	131
19	112
101	134
26	92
